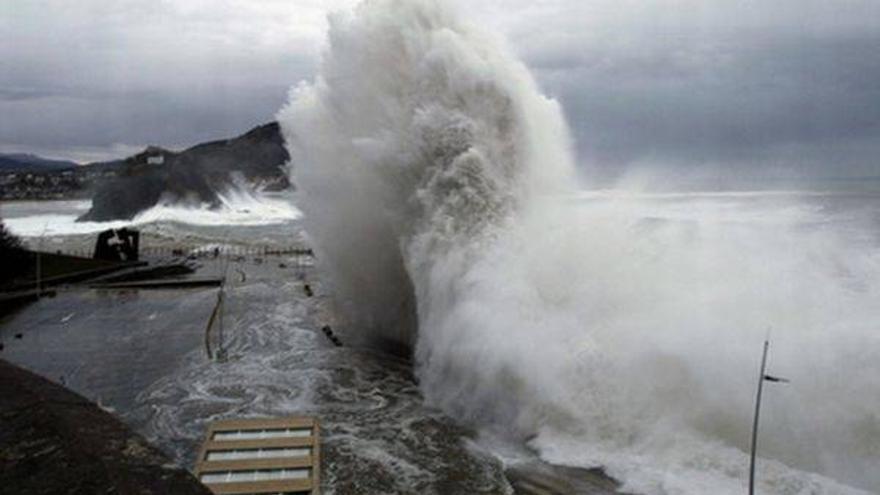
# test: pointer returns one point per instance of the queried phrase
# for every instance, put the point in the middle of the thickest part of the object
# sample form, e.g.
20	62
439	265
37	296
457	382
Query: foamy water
28	219
619	329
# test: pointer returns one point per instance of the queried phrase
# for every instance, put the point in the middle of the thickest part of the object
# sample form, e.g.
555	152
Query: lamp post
761	379
39	261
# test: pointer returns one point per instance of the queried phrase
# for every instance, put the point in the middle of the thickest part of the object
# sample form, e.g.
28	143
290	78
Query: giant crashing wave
420	136
430	169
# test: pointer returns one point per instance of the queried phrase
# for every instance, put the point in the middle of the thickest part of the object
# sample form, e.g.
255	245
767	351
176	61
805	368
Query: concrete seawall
53	441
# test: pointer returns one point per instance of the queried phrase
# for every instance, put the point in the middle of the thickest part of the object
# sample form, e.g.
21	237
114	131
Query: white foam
236	208
620	331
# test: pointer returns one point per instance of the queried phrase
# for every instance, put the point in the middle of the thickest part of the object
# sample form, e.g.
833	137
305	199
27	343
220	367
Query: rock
195	175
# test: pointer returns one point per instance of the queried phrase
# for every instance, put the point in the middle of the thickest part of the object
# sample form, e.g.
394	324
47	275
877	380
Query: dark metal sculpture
118	245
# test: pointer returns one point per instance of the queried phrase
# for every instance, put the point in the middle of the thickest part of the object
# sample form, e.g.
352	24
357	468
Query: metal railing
201	251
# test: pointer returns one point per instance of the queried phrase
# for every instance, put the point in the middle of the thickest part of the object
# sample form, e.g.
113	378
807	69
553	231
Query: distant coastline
120	189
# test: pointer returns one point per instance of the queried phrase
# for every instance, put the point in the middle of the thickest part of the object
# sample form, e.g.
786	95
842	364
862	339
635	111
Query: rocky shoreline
197	175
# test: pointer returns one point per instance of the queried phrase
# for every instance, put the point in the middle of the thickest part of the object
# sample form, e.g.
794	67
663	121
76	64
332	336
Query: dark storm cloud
95	78
760	101
775	88
784	87
168	118
52	122
19	94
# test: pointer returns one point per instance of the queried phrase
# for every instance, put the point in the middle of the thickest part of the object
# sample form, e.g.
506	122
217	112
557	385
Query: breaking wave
621	331
236	207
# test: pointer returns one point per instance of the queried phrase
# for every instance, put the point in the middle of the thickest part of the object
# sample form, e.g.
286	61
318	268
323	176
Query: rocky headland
120	189
196	175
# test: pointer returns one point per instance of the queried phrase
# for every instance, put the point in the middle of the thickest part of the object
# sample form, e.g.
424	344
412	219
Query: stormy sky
687	87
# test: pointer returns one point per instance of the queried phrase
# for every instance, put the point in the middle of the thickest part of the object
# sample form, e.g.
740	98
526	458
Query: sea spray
619	331
240	207
419	137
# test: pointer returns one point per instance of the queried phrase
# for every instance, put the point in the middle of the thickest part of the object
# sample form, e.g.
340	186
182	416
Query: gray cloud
119	75
786	87
755	102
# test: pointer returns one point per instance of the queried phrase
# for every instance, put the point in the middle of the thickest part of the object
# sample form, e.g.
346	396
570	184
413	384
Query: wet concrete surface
53	441
141	354
106	344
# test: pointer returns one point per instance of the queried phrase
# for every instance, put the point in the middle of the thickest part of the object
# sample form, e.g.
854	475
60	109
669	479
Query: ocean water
672	295
244	219
237	207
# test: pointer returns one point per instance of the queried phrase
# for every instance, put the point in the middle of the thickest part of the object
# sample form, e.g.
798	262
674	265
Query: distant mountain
194	175
22	162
